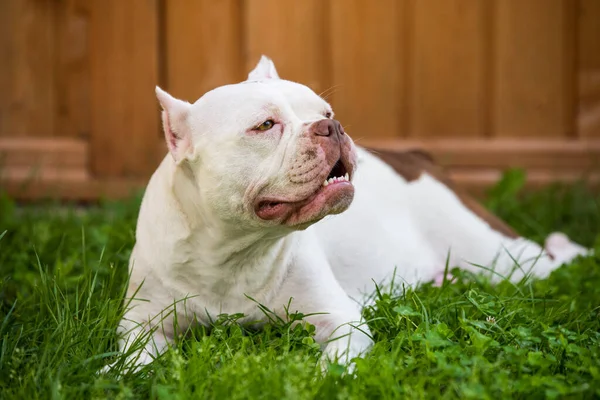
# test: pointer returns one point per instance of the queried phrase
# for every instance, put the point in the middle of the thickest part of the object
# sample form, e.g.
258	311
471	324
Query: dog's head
264	152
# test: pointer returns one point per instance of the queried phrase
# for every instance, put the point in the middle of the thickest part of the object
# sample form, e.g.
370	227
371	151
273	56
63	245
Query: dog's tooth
330	180
347	176
325	183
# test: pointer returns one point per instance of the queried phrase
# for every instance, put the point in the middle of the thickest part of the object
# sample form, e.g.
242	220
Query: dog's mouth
269	209
335	186
338	173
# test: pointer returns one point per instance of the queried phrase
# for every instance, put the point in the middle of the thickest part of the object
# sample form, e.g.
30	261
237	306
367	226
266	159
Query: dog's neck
208	241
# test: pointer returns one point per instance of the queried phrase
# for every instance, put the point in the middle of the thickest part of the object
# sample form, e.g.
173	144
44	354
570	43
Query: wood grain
533	89
448	73
203	46
124	72
589	34
40	168
34	159
475	183
72	106
295	34
368	76
27	67
76	189
589	68
43	152
483	84
480	154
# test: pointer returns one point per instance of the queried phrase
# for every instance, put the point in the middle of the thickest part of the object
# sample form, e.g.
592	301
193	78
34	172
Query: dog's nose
328	127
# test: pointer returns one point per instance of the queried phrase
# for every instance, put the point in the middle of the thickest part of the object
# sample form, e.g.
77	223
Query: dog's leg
141	342
474	242
512	258
340	329
345	337
313	289
154	339
149	325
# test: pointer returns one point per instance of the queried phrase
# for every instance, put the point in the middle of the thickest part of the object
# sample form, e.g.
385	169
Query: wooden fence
483	84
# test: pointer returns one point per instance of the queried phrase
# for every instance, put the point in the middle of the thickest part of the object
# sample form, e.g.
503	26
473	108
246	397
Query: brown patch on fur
412	163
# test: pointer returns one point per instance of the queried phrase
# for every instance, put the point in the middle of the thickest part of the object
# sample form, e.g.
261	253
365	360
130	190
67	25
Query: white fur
199	245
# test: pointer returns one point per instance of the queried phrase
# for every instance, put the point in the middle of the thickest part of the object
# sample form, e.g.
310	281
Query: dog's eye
265	126
328	114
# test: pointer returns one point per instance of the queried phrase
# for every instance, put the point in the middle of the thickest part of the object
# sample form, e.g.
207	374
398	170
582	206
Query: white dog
238	209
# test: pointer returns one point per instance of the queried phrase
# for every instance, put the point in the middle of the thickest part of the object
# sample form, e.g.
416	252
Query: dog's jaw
318	179
328	199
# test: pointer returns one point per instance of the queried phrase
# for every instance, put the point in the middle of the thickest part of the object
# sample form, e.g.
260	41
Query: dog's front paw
106	369
342	352
132	364
335	354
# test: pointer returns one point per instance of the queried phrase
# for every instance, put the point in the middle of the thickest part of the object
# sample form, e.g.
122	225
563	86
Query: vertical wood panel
27	60
366	44
448	72
589	68
123	45
203	48
533	75
294	34
589	34
72	70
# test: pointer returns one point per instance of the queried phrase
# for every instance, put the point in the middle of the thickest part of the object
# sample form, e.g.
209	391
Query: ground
62	277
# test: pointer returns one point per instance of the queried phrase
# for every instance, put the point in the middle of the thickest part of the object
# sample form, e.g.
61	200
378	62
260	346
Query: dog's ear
174	117
265	69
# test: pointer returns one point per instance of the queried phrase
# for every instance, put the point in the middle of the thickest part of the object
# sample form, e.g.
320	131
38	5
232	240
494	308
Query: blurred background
485	85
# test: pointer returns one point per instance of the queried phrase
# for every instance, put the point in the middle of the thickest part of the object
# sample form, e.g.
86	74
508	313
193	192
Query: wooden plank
367	40
533	90
448	72
82	190
589	35
31	174
56	168
33	159
72	70
91	190
589	68
42	153
124	72
202	44
588	119
475	154
471	154
27	67
295	37
6	63
589	87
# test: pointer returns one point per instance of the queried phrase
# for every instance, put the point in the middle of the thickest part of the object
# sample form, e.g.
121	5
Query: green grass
62	276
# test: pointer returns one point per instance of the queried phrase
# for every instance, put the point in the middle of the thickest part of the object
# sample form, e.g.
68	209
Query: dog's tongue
272	210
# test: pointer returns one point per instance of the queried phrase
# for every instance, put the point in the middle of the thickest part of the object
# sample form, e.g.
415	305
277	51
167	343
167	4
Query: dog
264	198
